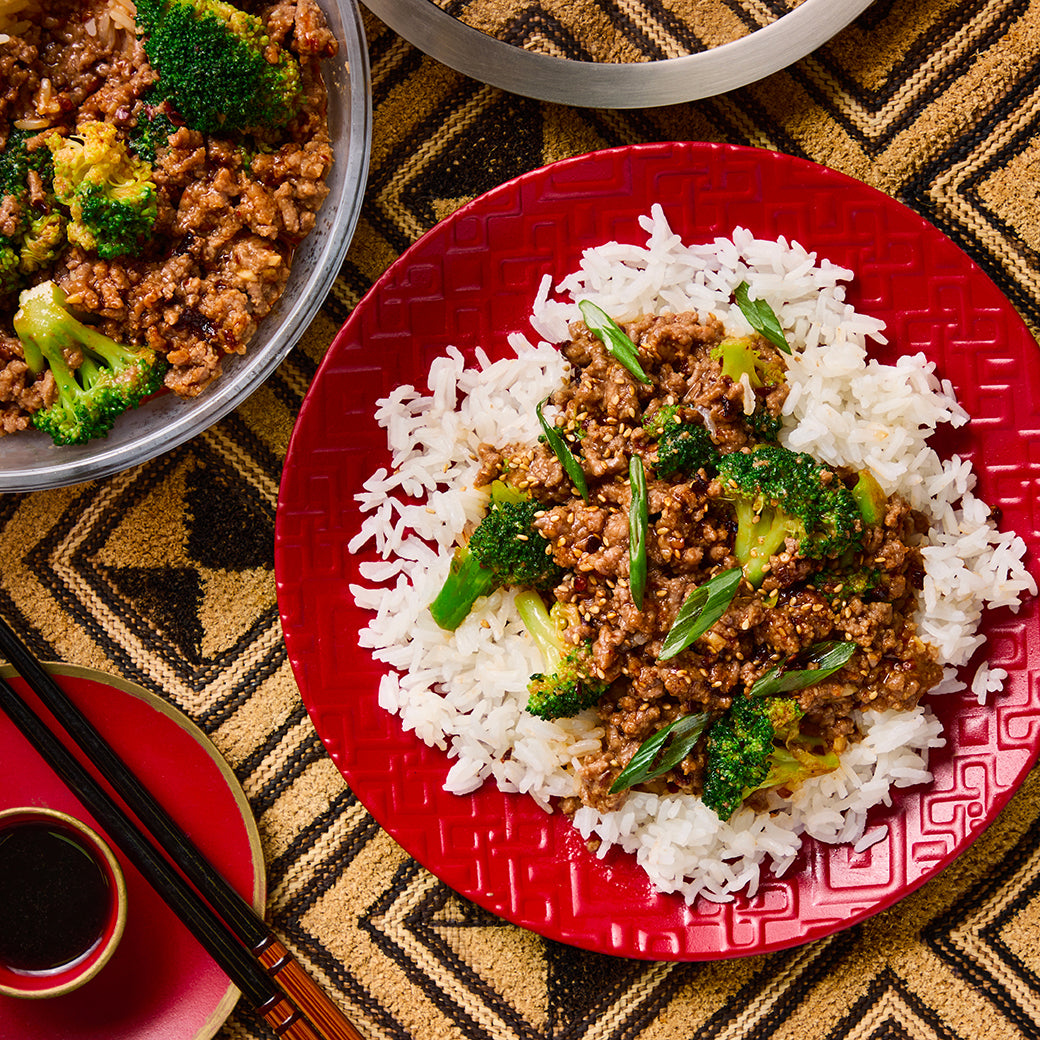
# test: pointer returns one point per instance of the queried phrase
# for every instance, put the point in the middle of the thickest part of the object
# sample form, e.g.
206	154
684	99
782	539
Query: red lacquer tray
469	282
160	984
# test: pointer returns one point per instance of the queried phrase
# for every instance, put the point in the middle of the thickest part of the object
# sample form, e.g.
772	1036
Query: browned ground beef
231	210
691	537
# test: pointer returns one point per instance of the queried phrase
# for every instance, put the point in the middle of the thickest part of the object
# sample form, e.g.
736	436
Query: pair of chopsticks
236	937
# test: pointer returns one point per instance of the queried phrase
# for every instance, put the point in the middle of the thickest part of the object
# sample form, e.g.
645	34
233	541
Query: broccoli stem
541	627
870	497
759	536
110	377
467	581
47	330
568	685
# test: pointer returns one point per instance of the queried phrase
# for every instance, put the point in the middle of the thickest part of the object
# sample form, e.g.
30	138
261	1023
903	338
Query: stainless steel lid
602	85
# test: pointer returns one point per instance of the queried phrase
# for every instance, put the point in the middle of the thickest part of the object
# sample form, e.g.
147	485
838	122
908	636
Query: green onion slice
570	464
827	657
638	520
684	733
701	609
614	338
761	317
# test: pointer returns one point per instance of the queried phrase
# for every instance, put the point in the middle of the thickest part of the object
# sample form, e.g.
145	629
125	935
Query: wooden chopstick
233	933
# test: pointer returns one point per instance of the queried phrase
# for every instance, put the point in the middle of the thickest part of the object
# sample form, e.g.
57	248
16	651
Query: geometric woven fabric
164	574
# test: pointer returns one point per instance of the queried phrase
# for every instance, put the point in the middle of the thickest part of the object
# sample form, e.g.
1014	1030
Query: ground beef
232	210
602	409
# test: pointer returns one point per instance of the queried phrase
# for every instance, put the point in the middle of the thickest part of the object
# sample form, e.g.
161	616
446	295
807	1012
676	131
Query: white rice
465	692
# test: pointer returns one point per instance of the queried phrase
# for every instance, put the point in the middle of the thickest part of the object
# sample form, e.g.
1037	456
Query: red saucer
160	984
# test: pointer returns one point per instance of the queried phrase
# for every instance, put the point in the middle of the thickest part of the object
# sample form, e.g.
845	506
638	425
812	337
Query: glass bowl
29	461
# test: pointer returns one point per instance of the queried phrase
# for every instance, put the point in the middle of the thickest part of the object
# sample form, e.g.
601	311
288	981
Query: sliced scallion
638	521
571	466
701	609
683	734
826	657
761	317
619	345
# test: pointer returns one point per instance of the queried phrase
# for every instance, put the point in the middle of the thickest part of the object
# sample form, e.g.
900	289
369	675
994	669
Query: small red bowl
86	962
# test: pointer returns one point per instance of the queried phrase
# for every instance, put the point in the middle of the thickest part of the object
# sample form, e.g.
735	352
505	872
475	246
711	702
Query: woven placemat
164	574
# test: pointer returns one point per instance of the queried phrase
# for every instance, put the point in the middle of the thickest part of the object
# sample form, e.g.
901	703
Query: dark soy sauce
54	898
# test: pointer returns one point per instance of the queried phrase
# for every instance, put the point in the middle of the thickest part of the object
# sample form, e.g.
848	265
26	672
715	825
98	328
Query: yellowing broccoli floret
41	241
109	193
36	227
747	358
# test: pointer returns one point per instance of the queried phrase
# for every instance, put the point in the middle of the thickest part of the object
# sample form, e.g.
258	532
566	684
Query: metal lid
630	85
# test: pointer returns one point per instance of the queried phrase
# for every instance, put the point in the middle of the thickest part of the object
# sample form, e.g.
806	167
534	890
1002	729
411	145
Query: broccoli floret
763	425
218	67
37	227
10	267
504	549
655	423
740	357
109	380
109	193
848	578
798	761
758	744
17	162
568	685
852	574
151	132
740	748
779	494
683	447
41	241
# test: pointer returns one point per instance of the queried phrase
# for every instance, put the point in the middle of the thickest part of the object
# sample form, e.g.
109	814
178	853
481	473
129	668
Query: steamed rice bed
465	692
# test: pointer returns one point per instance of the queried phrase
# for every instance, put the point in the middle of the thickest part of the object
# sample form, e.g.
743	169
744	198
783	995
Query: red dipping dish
160	983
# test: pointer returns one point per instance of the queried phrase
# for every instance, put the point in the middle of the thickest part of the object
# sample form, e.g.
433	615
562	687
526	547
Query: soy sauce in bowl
55	899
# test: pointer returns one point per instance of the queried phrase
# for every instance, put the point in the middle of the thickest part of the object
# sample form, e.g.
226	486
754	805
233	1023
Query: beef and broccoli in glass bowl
180	181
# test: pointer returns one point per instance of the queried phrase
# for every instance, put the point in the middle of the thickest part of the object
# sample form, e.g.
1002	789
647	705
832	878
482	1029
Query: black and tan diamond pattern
618	30
164	574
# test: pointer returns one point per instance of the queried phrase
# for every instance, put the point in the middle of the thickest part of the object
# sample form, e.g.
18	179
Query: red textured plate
471	280
160	984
